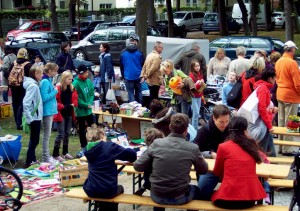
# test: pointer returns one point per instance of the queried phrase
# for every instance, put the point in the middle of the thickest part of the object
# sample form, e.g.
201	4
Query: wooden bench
281	160
286	143
147	201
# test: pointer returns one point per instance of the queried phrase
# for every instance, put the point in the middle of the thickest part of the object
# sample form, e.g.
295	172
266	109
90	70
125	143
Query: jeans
196	104
82	120
134	90
47	124
191	194
183	107
207	184
104	87
18	94
267	145
63	132
5	96
35	128
284	111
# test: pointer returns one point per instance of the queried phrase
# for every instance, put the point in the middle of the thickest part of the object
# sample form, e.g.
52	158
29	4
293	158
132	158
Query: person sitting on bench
102	180
171	159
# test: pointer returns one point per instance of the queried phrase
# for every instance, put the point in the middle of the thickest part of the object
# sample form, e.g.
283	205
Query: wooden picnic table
284	131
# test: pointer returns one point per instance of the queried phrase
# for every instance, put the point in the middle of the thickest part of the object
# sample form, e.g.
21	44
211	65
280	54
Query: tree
268	14
244	17
177	5
288	20
72	11
170	18
223	18
254	11
151	14
54	17
141	23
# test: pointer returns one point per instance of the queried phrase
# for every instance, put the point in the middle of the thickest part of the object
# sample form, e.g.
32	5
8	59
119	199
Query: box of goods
5	111
73	175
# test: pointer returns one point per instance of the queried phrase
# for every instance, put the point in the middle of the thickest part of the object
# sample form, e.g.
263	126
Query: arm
60	61
44	87
155	63
75	98
219	164
199	163
210	70
28	104
202	140
178	62
122	153
121	65
263	96
91	92
145	161
296	76
109	67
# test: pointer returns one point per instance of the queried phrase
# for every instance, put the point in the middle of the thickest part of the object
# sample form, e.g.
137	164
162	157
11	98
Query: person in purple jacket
102	180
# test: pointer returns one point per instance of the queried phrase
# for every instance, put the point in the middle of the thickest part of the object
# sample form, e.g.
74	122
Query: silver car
279	19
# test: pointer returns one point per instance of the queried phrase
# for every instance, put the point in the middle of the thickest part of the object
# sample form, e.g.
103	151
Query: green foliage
117	11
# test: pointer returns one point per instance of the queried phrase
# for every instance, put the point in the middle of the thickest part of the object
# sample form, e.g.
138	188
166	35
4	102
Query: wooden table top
121	115
283	131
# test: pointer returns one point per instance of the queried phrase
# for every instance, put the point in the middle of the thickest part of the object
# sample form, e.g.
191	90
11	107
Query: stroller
211	96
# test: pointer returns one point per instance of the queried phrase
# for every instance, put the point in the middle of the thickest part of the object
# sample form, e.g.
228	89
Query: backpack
234	96
16	75
6	65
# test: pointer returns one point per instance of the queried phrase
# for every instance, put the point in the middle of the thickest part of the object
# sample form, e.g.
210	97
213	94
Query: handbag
25	126
110	95
234	96
249	109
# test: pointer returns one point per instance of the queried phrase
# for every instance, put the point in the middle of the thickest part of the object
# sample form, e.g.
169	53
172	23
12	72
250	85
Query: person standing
185	59
131	63
288	88
106	69
151	70
240	64
219	64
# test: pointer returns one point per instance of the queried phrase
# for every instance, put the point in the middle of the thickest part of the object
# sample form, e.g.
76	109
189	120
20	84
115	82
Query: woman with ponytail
236	166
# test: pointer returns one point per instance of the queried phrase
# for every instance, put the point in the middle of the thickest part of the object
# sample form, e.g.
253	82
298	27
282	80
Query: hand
213	155
109	81
275	110
180	85
142	79
271	130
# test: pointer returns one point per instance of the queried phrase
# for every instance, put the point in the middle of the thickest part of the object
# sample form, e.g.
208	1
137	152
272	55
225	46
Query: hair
236	76
151	134
193	64
267	73
50	66
106	46
288	49
237	128
162	121
38	56
8	50
179	123
94	133
219	50
257	63
195	46
64	76
274	57
241	51
33	70
220	110
63	46
156	44
155	107
167	63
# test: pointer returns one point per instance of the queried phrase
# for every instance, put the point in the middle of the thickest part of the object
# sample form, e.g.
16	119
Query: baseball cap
263	53
290	44
134	37
82	68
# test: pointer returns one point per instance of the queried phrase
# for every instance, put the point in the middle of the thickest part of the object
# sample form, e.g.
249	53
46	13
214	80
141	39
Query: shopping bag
249	108
110	95
25	126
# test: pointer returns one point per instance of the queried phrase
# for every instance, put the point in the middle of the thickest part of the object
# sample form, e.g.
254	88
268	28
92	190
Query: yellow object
5	111
173	83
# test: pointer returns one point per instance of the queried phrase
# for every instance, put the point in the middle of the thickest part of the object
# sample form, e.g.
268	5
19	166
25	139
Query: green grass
8	127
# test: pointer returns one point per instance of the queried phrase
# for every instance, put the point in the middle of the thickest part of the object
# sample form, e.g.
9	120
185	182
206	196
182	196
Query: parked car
189	19
88	48
252	44
211	23
29	26
110	24
50	37
129	19
86	27
279	19
162	26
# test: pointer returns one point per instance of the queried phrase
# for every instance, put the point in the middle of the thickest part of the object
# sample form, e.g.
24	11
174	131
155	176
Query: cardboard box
5	111
74	176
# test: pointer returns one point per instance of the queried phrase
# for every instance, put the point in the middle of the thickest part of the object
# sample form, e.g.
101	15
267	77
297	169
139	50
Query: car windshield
128	19
179	15
276	15
50	53
57	36
210	17
278	44
24	26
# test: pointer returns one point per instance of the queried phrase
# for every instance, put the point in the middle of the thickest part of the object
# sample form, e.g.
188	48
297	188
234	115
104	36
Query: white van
260	18
189	19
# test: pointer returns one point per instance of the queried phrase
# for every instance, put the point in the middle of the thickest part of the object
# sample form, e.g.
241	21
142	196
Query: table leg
13	166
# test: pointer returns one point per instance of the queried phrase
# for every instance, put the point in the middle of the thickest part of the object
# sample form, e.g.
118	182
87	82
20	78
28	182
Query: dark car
252	44
86	27
110	24
163	27
88	48
211	23
129	19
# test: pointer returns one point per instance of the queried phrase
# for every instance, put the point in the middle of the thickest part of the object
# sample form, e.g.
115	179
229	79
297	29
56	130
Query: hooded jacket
48	94
106	67
102	180
248	79
131	62
31	99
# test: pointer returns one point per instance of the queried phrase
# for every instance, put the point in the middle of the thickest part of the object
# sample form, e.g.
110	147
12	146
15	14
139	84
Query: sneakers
59	159
67	156
32	163
53	161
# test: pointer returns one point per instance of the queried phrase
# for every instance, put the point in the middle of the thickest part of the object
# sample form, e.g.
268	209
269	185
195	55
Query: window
220	43
259	43
105	6
115	34
100	35
188	3
62	5
195	4
234	43
188	16
198	15
46	25
36	27
86	6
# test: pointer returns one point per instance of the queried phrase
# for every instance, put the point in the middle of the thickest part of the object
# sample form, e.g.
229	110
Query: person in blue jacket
64	59
131	64
102	181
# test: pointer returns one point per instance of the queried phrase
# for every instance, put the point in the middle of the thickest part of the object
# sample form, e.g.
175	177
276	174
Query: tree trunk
151	14
54	17
253	22
244	17
288	20
222	18
170	18
141	24
268	14
296	22
72	15
177	5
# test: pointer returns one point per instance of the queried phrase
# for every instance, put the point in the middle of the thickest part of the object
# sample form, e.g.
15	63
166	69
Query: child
67	99
97	80
150	135
232	78
38	61
33	111
48	94
102	180
197	78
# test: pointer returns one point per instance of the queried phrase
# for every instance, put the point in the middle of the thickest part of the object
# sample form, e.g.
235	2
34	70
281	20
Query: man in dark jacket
171	159
131	63
184	61
208	139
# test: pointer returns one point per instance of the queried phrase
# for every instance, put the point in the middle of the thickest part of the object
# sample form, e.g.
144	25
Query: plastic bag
25	126
110	95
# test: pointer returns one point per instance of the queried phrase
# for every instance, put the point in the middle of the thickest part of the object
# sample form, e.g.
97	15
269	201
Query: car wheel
283	25
80	55
205	32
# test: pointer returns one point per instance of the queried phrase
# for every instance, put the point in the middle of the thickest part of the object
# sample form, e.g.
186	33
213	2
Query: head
8	50
36	72
37	59
196	46
221	116
152	134
195	66
22	53
65	47
155	107
82	70
179	123
167	66
97	71
104	48
262	53
257	63
232	77
95	133
51	69
241	51
163	119
290	47
134	39
274	56
66	80
220	53
158	47
268	75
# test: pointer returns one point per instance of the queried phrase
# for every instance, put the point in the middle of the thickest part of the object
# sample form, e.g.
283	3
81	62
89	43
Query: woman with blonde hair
219	64
67	99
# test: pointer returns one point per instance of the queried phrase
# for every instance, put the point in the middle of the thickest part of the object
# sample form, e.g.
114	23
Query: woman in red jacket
236	166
